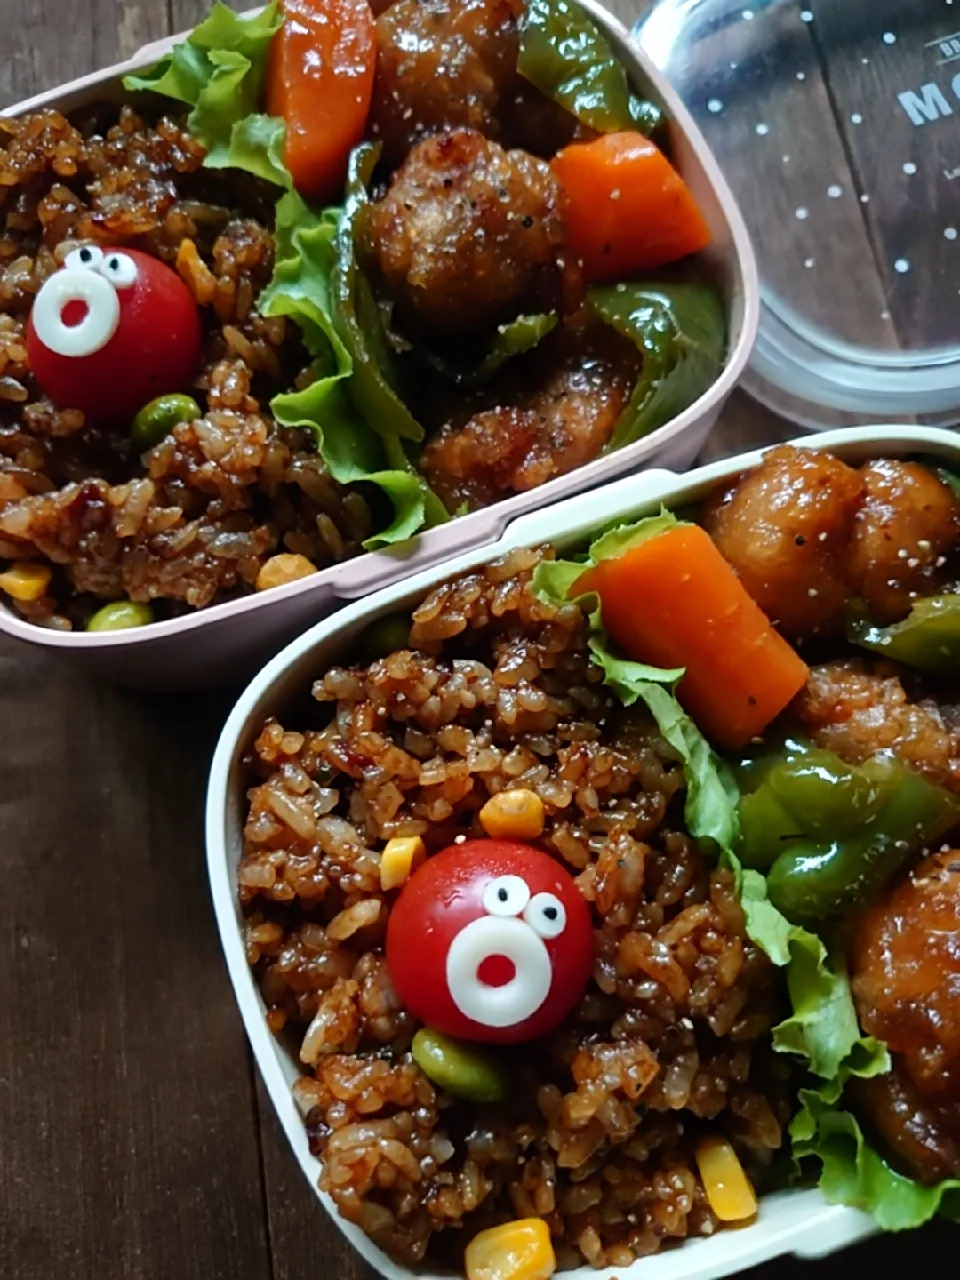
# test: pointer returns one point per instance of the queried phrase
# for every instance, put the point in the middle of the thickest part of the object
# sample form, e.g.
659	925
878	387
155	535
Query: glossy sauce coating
550	412
905	964
857	707
806	533
469	235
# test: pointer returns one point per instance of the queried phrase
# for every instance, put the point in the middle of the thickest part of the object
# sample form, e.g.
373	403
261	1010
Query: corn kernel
26	581
728	1188
398	859
516	1251
513	815
279	570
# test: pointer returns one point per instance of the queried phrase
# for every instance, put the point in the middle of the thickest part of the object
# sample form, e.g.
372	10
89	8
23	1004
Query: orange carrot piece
320	80
628	210
675	602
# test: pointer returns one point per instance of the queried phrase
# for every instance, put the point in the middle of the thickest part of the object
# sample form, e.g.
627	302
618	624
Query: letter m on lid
929	104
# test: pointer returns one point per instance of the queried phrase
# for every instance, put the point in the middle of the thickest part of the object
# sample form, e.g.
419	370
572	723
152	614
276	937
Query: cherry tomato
492	941
112	330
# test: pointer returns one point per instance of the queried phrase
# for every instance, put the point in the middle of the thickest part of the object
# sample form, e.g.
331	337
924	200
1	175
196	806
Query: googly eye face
88	257
546	915
506	896
119	269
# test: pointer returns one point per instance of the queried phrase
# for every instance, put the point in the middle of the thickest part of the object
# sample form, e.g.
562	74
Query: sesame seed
941	561
812	591
903	553
459	839
615	193
822	537
923	544
913	562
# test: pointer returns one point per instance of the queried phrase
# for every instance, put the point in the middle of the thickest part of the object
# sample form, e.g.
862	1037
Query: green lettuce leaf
568	58
928	639
304	287
218	71
680	330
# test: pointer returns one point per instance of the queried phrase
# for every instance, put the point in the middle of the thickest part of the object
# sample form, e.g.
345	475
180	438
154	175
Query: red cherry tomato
112	330
491	941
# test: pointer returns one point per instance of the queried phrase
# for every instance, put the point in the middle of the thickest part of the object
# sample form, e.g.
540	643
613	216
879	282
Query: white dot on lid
763	129
734	65
889	38
864	199
801	75
949	233
714	106
808	263
902	266
865	61
786	159
803	214
909	168
747	15
857	118
834	192
806	16
884	315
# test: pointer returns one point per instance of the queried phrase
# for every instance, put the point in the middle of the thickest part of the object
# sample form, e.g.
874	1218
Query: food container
835	124
227	641
794	1222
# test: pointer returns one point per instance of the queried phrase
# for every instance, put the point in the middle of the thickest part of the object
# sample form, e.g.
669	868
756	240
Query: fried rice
671	1040
193	521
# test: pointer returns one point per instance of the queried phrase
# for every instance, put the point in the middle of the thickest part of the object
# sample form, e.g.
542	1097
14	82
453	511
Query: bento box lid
838	127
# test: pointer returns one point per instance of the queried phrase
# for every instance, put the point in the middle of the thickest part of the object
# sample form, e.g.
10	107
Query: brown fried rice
671	1039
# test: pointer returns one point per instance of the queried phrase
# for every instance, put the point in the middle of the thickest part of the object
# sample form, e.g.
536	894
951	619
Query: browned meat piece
442	64
920	1136
905	962
449	64
857	707
469	234
902	534
785	528
557	411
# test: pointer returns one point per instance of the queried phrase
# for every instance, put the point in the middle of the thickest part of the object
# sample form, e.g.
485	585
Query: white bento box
794	1222
227	641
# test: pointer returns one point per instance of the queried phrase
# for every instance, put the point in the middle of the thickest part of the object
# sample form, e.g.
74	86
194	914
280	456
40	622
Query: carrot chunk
628	210
674	601
320	80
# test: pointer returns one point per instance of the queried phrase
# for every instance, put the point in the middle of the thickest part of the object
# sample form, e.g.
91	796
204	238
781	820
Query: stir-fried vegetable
564	54
830	834
680	330
669	597
928	639
320	83
628	210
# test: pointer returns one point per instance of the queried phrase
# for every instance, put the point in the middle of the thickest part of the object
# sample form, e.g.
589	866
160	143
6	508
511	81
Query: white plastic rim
792	1222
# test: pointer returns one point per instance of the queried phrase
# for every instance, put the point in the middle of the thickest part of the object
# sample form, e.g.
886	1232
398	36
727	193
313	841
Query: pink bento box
227	641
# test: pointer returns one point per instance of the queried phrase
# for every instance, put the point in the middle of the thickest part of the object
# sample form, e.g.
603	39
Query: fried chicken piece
449	64
905	965
908	523
469	235
856	707
558	410
785	528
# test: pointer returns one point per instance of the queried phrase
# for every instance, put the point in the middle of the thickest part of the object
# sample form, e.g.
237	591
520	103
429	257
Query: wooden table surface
135	1140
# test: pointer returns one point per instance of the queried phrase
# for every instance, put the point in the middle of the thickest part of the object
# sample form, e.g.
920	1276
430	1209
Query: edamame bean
119	615
461	1069
157	419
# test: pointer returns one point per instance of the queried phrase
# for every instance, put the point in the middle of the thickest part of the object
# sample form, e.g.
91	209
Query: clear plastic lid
837	124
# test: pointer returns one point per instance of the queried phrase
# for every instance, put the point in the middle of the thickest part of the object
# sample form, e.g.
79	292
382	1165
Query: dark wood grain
134	1141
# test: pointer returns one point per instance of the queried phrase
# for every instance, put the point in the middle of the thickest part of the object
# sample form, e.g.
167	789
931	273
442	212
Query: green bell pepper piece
565	55
831	834
928	639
